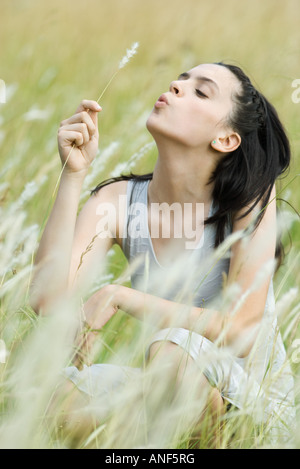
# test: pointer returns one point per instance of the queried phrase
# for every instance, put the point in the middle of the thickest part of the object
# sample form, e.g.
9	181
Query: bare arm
78	142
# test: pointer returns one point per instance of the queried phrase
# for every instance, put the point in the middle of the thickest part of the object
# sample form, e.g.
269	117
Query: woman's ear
228	143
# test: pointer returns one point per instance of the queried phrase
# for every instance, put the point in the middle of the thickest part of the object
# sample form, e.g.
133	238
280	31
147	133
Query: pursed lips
162	101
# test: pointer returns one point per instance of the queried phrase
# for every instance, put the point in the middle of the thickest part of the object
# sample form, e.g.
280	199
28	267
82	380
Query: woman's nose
176	88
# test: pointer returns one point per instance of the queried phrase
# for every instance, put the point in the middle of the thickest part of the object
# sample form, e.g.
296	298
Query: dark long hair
246	176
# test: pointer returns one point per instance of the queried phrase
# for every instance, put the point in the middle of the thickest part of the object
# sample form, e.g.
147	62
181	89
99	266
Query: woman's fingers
70	137
86	113
87	105
91	108
78	128
81	118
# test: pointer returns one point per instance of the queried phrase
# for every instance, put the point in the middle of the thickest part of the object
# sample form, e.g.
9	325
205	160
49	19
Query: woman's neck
182	175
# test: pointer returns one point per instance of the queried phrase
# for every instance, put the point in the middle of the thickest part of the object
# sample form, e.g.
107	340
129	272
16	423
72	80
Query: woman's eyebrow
186	76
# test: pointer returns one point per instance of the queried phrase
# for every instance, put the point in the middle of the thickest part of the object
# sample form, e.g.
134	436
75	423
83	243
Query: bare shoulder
97	227
241	222
110	203
251	253
111	196
110	193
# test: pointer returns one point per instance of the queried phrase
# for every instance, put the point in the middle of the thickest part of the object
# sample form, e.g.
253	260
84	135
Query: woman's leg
189	390
70	413
178	400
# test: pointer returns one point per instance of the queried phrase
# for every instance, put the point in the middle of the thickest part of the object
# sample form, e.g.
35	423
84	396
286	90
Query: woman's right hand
78	138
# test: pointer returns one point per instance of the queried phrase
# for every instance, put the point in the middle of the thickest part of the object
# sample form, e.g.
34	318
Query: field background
54	54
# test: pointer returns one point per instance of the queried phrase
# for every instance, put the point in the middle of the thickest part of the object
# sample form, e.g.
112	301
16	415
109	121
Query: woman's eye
199	93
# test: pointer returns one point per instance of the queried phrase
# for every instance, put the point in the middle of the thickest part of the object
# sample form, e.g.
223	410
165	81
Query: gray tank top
194	276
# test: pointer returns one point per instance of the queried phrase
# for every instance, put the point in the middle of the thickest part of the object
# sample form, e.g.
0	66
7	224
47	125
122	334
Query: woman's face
194	110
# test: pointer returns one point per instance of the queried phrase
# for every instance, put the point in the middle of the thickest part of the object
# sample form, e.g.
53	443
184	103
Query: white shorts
223	371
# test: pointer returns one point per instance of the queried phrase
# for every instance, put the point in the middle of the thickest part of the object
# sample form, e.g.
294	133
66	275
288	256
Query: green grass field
53	55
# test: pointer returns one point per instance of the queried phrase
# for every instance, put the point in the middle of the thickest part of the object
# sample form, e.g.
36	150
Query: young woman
221	147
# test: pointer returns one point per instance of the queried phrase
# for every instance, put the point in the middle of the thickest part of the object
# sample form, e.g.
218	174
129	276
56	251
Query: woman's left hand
100	307
97	311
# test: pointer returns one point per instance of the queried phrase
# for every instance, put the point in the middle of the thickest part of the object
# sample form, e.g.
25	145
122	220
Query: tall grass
52	56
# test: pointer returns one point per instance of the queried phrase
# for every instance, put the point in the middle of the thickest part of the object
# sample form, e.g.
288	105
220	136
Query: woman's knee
67	400
170	359
173	361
